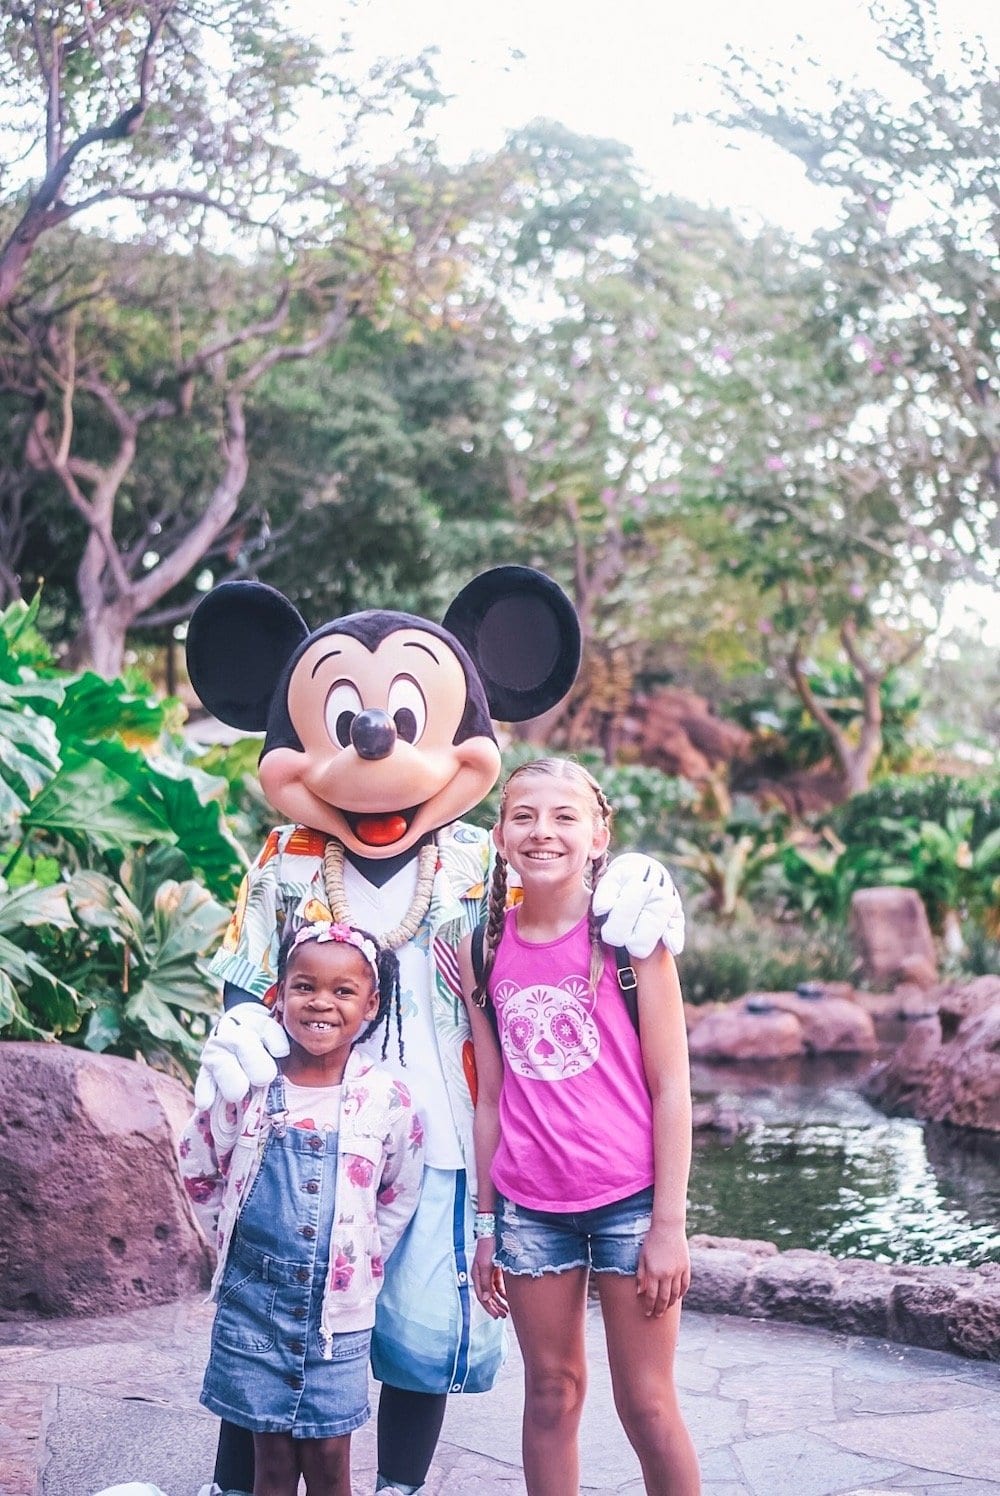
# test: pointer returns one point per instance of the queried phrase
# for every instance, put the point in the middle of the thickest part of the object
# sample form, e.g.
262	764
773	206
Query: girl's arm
664	1273
486	1279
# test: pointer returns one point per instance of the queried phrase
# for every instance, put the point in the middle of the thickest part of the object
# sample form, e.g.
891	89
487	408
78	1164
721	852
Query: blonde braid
598	950
494	928
597	946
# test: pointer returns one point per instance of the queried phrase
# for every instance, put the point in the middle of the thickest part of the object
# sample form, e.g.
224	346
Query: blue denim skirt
266	1369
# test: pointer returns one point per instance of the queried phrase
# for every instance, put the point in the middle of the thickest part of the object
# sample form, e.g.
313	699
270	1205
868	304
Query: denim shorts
607	1239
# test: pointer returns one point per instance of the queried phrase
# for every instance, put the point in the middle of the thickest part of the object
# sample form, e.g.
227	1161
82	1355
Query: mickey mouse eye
342	706
407	708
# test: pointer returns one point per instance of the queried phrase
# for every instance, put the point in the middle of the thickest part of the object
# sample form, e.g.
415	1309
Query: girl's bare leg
326	1465
276	1465
548	1314
641	1356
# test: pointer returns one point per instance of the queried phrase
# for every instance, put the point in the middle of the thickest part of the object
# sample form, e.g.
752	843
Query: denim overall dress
266	1370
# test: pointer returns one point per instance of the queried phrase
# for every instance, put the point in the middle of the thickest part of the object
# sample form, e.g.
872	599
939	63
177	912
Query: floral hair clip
324	930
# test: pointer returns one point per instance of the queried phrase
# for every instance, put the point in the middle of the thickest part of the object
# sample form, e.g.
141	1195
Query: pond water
820	1167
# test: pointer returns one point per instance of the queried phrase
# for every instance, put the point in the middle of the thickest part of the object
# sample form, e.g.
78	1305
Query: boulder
897	1085
962	1084
775	1025
830	1024
735	1032
893	936
93	1219
947	1068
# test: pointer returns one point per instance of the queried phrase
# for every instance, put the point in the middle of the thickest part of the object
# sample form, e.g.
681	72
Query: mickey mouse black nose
373	734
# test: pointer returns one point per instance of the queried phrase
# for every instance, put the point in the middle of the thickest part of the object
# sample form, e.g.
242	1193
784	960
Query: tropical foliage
116	866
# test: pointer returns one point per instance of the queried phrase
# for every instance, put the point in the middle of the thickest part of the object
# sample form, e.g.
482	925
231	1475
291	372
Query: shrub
114	855
725	961
871	818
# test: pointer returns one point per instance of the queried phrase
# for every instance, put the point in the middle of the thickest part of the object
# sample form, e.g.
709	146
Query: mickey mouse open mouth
380	830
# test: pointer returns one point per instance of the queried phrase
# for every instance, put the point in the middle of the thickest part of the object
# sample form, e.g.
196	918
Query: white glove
238	1054
642	906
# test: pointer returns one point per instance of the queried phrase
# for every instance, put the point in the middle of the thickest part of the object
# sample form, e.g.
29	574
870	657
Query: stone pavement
775	1410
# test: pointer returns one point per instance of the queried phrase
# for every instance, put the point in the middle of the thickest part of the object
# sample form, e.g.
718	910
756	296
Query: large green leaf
53	1007
104	1026
29	754
187	923
148	1010
100	903
30	906
14	1020
192	804
97	708
988	851
88	801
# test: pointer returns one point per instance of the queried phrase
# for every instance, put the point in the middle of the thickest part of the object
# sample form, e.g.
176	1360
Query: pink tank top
576	1120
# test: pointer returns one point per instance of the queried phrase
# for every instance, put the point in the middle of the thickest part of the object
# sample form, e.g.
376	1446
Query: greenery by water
821	1168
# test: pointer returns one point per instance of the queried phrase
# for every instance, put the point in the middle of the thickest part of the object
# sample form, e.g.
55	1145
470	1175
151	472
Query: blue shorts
607	1239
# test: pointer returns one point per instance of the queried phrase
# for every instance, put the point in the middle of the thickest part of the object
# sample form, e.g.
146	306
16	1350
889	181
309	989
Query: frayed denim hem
540	1272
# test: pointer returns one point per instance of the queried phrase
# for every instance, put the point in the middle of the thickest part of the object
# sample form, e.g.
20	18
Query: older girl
583	1131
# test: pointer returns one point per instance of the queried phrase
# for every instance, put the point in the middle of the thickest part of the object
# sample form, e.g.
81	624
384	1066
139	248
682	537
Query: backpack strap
479	951
478	954
627	982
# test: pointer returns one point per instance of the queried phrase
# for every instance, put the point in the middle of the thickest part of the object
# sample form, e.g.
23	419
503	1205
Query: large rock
732	1031
831	1024
776	1025
893	936
93	1219
948	1068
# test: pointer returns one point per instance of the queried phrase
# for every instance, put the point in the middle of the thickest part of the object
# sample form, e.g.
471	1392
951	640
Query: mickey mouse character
379	737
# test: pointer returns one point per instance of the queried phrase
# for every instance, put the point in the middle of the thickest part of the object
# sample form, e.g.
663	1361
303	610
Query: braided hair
389	998
555	768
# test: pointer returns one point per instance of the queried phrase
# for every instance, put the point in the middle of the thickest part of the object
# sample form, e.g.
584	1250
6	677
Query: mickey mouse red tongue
381	831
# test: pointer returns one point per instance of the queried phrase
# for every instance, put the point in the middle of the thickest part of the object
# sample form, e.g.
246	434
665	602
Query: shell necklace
333	878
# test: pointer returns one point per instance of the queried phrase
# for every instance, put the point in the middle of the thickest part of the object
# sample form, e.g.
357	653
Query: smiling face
379	766
327	995
550	829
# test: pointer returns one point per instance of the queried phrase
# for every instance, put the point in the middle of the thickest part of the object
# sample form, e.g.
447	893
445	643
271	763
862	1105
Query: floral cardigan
380	1167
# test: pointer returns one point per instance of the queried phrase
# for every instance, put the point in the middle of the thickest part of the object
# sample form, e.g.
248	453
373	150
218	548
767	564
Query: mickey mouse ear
240	638
523	634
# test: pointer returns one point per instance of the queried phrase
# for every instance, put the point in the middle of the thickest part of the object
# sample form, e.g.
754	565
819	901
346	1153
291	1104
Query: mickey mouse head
379	724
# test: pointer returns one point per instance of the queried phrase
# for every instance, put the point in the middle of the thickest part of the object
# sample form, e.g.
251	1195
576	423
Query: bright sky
624	69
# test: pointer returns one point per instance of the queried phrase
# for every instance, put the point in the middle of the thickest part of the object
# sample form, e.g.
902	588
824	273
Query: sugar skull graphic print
548	1032
576	1124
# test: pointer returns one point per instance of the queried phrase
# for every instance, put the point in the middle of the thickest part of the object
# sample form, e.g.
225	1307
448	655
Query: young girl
305	1187
583	1139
